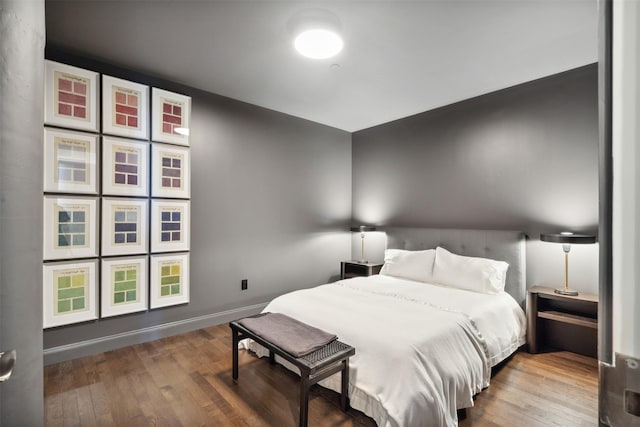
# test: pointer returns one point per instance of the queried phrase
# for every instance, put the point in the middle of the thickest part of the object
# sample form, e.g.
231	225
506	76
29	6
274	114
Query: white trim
139	264
157	264
85	348
160	151
171	206
157	134
129	146
626	177
140	207
89	123
141	131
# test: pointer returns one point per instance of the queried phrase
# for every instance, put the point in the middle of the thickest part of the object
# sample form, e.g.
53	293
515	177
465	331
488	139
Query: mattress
422	350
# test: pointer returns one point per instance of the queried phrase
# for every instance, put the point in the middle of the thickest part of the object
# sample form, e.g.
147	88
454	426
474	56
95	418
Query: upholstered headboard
501	245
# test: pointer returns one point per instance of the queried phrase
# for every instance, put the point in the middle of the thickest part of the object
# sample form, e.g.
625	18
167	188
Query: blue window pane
78	216
125	226
63	216
168	226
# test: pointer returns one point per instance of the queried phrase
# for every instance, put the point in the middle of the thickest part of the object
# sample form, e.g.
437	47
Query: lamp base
563	291
363	261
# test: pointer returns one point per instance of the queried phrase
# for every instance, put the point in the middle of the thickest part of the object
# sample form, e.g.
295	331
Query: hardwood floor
186	381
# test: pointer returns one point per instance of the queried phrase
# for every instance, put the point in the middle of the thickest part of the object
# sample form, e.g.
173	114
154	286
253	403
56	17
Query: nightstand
562	322
350	269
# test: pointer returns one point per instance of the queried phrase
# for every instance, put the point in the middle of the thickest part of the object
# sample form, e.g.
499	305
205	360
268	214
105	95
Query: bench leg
344	395
234	352
462	414
304	400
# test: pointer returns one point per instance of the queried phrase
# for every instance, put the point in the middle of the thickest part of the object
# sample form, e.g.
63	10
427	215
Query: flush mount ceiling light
318	43
316	33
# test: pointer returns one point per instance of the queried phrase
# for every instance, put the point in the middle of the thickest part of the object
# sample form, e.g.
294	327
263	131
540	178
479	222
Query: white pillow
412	265
482	275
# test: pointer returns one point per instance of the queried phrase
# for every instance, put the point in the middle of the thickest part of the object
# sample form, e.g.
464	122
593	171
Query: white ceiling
400	57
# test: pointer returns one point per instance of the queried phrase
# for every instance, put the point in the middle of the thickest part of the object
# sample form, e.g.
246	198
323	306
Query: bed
423	350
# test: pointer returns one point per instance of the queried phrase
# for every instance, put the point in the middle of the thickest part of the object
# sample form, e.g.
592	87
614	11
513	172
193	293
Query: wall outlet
245	284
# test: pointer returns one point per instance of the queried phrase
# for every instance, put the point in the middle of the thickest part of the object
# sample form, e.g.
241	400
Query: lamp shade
568	238
363	228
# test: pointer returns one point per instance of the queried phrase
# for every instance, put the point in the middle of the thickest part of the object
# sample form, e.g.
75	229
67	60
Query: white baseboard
112	342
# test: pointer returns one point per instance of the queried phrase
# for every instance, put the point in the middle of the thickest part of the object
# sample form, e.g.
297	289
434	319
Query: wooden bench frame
314	367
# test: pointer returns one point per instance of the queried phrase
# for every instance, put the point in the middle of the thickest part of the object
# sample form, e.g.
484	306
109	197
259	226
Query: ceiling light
318	43
316	33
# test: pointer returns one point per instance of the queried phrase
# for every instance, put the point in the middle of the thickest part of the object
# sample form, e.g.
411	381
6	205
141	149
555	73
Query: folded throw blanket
291	335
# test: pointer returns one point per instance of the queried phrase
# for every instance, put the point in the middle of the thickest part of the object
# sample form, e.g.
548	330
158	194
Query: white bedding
422	351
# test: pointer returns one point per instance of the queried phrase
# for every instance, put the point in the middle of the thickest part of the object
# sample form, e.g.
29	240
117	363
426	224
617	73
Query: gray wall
270	202
522	158
22	34
272	194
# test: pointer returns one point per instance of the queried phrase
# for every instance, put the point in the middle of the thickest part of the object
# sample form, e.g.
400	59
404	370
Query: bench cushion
291	335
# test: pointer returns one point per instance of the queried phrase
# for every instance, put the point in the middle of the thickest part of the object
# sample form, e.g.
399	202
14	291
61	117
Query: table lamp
363	229
567	239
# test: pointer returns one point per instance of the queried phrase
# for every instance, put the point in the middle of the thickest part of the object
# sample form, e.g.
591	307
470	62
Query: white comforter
422	351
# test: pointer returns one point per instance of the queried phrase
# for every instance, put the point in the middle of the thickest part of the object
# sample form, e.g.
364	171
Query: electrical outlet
245	284
633	402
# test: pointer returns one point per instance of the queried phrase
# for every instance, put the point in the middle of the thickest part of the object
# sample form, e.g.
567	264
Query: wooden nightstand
356	268
561	321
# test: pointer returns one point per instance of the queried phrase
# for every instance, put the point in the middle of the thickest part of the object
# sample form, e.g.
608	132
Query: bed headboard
501	245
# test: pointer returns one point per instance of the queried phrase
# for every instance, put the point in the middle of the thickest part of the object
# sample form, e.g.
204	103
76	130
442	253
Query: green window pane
70	293
78	303
131	295
166	270
118	297
164	291
124	286
64	306
64	282
131	274
175	289
119	276
170	280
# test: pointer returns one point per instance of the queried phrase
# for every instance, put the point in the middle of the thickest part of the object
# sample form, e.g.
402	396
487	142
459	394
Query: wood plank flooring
186	381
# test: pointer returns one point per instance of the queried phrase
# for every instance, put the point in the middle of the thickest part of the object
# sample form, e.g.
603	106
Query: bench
314	367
